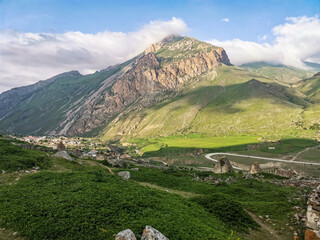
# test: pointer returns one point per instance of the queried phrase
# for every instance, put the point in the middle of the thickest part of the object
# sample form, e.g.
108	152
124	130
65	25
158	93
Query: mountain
226	101
177	86
313	66
74	105
280	72
311	87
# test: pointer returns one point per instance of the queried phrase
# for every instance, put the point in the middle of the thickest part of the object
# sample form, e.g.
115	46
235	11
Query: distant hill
280	72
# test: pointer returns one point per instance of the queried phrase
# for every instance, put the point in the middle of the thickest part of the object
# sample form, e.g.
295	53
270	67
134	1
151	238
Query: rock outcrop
255	168
147	75
223	166
289	173
313	216
150	233
125	175
125	235
63	154
61	146
76	152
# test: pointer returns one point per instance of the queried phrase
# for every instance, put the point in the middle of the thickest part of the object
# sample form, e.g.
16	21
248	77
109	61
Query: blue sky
248	19
42	38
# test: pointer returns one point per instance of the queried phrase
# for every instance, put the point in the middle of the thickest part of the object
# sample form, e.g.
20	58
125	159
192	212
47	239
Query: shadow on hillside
222	99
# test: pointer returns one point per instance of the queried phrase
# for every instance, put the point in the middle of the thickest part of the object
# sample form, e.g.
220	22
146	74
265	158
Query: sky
42	38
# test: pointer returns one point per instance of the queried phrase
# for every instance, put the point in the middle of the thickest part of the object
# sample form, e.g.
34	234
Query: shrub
228	211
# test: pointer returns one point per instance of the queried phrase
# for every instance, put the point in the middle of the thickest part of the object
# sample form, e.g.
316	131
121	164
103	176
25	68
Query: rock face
223	166
145	76
255	168
313	216
310	235
125	235
63	154
160	70
125	175
150	233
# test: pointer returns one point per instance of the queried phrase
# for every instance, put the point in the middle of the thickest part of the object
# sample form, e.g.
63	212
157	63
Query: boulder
248	176
76	152
118	163
150	233
310	235
255	168
61	146
100	157
125	235
63	154
223	166
125	175
125	156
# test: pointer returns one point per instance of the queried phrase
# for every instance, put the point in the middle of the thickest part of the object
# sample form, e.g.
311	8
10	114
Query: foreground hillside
80	199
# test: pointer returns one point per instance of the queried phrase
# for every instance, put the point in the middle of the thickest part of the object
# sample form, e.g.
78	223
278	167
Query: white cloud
295	41
263	38
225	20
28	57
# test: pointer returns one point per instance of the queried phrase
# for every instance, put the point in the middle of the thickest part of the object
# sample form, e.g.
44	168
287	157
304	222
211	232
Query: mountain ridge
179	60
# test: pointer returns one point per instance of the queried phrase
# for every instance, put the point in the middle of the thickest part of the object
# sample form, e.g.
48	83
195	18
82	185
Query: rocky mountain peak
157	46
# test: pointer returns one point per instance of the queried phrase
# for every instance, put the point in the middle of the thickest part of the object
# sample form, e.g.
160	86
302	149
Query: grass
77	201
230	103
261	198
92	204
196	141
279	72
13	158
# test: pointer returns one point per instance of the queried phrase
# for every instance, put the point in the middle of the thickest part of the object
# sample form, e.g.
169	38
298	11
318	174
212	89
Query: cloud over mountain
29	57
295	41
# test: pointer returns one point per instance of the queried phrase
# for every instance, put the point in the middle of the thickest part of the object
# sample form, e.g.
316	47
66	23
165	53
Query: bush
228	211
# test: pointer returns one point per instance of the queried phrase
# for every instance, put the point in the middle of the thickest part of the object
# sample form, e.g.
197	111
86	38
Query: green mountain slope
280	72
311	87
43	110
233	102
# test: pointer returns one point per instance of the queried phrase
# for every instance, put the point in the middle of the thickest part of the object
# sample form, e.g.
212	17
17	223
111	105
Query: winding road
209	157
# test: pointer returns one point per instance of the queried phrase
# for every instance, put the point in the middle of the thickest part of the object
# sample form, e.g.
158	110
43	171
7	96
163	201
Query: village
80	147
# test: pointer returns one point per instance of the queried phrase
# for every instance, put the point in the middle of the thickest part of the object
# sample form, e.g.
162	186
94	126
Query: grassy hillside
47	107
280	72
311	87
230	102
13	157
79	201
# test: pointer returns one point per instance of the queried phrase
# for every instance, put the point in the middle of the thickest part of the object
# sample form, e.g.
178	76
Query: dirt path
93	163
266	231
296	155
209	157
265	228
